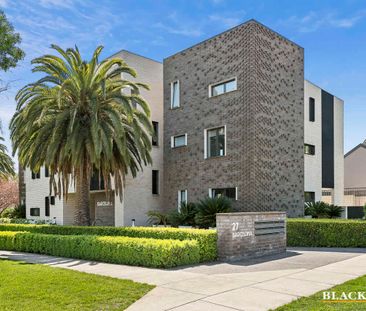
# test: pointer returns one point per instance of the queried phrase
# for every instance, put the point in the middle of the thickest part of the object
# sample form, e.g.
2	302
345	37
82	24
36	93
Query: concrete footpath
251	285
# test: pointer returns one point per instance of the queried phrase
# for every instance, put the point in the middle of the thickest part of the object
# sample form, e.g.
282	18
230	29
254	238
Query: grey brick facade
264	120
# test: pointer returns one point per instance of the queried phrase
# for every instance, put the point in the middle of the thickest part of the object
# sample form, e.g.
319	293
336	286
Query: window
155	137
96	181
309	197
46	172
47	206
34	211
36	175
174	90
52	200
182	197
309	149
215	142
311	109
230	193
155	182
179	141
223	87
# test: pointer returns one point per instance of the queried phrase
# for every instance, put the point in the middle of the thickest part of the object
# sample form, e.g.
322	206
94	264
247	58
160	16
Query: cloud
57	3
314	21
227	22
184	31
3	3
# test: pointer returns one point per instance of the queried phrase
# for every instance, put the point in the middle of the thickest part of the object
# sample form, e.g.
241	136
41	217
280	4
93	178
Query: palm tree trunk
82	213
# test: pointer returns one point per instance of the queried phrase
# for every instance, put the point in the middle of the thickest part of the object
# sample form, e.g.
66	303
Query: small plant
14	212
208	208
185	216
157	218
322	210
364	211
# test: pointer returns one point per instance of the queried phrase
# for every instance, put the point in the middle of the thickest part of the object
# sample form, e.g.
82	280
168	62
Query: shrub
208	208
157	218
322	210
120	250
185	215
326	233
17	212
206	239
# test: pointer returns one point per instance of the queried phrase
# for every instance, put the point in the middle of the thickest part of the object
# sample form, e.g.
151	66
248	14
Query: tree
8	193
79	119
10	53
6	163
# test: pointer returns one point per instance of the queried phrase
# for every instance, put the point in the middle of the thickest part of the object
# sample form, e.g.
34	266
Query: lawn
26	286
316	302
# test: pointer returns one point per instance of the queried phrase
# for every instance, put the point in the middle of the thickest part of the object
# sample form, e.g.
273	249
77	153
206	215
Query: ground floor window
34	211
155	182
230	193
309	196
182	197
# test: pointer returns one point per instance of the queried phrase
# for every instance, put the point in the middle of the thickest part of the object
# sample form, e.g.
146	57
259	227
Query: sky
333	34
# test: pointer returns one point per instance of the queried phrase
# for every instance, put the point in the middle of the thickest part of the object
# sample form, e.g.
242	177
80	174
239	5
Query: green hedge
326	233
206	238
122	250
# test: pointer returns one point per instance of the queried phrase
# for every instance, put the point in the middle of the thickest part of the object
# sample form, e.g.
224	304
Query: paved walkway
255	285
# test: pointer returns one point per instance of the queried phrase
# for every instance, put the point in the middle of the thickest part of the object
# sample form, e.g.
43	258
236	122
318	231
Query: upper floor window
309	149
46	172
155	137
215	142
174	94
36	175
222	87
155	182
311	109
179	141
230	193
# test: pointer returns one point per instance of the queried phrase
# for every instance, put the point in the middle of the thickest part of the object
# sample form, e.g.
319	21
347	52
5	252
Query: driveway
251	285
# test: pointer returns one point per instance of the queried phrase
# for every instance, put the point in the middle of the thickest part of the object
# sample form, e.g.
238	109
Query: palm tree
6	163
78	119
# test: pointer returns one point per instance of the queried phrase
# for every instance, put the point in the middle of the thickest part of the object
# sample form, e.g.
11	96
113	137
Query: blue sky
333	34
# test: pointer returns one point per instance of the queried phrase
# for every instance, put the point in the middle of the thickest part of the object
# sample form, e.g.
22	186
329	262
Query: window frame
210	192
311	147
180	198
35	208
206	142
172	141
172	93
222	82
156	134
311	109
157	182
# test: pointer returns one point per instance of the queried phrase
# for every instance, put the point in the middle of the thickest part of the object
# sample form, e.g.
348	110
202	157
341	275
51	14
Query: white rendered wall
36	190
338	192
313	136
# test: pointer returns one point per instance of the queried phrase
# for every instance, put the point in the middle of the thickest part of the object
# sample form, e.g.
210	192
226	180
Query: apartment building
323	145
141	194
234	117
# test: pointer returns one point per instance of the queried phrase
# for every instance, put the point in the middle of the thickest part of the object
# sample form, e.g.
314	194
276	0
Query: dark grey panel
327	140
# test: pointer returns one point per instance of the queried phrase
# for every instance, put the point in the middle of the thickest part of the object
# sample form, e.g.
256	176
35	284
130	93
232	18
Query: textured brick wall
241	235
263	118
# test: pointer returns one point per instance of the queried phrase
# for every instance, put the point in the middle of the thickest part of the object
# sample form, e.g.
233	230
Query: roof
323	89
362	145
230	29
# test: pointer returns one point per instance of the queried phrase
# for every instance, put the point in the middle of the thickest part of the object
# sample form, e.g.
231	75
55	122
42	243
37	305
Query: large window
309	196
155	182
182	197
215	142
311	109
47	206
155	137
174	99
309	149
179	141
230	193
34	211
223	87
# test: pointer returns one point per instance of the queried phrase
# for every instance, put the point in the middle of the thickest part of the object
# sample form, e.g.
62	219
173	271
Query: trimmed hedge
326	233
120	250
206	239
